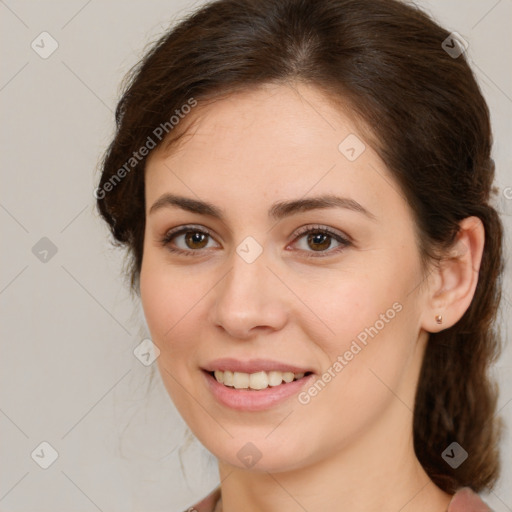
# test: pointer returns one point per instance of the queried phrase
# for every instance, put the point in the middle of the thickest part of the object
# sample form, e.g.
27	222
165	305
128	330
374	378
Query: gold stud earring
439	319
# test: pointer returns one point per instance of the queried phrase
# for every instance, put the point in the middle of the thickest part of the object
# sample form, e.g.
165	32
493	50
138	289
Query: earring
439	319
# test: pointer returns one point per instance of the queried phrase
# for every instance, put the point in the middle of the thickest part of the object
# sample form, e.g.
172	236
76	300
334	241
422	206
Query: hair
424	114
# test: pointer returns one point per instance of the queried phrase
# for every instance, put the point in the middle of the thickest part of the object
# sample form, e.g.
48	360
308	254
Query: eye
318	239
187	240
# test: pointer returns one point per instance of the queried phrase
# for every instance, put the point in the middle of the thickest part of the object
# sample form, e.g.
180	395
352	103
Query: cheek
351	305
164	301
367	325
156	299
170	317
371	351
174	304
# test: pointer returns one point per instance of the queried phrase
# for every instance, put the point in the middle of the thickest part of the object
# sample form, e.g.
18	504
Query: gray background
69	325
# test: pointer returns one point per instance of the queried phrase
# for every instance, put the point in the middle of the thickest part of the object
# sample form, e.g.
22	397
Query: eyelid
320	227
185	228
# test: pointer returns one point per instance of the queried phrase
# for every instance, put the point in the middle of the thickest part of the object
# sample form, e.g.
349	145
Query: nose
249	300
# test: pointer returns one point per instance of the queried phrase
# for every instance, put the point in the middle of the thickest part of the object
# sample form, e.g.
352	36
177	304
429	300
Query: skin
351	447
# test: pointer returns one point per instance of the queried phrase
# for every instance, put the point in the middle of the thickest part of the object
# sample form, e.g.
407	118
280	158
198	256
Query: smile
256	385
255	381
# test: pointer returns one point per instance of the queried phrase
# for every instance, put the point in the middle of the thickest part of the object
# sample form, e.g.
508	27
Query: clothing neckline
464	500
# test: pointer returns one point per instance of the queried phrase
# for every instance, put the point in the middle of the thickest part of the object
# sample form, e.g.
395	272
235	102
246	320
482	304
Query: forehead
274	142
290	120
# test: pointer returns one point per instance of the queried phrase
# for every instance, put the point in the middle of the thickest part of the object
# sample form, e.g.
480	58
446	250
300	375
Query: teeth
288	376
259	380
275	378
240	380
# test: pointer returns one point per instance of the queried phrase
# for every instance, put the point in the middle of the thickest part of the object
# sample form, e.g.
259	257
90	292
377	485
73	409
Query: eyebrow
277	211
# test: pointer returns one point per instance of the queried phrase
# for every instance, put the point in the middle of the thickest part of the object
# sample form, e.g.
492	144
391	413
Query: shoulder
465	500
206	504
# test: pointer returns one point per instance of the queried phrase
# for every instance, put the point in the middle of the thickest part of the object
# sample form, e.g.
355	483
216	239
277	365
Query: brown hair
429	123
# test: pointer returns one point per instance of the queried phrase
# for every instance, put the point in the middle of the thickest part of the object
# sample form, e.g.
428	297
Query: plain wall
69	326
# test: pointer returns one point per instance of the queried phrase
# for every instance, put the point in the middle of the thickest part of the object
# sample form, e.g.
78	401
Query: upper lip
252	366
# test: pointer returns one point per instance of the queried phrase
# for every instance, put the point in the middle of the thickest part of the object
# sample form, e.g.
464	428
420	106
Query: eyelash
344	242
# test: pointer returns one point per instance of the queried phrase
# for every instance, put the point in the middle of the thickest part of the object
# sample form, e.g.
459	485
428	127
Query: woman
303	187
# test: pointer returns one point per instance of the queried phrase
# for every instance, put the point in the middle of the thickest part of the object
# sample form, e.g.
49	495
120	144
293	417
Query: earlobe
454	281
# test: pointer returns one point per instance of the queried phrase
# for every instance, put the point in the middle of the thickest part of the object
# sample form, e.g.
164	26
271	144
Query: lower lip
254	400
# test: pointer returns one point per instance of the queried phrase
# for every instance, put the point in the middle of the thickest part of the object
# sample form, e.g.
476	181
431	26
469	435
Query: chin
258	452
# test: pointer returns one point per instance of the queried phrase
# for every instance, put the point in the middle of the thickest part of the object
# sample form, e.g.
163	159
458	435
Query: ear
453	282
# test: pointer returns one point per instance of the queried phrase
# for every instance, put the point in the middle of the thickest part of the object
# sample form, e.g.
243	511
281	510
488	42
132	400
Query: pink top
464	500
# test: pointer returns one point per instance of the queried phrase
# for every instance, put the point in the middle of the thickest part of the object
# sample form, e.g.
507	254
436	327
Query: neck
375	473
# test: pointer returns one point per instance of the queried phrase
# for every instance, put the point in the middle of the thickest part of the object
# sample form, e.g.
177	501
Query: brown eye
319	241
187	240
196	239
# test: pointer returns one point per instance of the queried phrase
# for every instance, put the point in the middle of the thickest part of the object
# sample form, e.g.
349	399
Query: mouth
256	381
255	385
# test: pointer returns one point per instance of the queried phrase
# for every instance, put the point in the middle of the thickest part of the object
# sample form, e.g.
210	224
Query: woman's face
292	252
